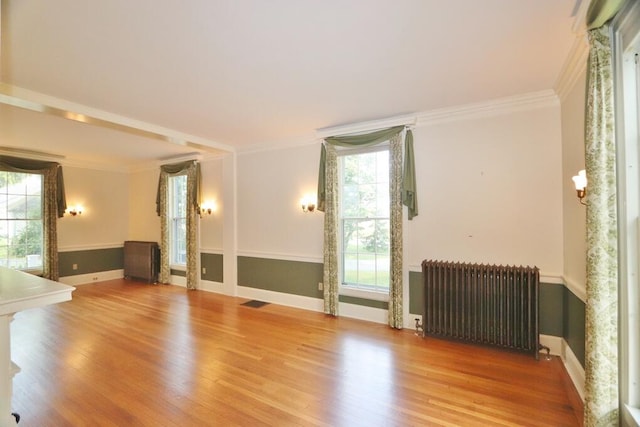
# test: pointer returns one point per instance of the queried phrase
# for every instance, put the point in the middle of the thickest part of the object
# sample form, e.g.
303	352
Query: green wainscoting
212	263
364	302
289	277
90	261
574	325
551	309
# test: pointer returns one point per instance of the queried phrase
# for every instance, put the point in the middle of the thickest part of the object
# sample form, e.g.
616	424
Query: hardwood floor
125	353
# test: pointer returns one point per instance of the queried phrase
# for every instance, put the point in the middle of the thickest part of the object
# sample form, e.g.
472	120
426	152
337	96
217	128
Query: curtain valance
176	169
409	194
17	164
601	11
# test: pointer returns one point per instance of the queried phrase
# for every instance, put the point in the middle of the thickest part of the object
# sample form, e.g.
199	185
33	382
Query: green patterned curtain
601	331
54	204
395	278
403	189
330	269
192	170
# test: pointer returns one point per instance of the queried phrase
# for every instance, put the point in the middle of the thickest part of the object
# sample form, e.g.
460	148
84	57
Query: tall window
21	222
178	220
364	219
627	54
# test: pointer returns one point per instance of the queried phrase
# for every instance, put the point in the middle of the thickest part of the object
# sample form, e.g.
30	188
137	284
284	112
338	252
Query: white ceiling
238	74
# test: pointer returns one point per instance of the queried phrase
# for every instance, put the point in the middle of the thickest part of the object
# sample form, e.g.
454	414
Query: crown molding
529	101
574	67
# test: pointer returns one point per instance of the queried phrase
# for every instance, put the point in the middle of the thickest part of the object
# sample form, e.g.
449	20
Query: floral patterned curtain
330	272
192	170
601	340
395	280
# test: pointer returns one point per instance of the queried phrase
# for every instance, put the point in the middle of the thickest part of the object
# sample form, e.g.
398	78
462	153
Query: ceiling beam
41	103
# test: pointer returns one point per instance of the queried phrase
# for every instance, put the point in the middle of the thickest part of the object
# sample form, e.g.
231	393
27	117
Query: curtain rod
407	120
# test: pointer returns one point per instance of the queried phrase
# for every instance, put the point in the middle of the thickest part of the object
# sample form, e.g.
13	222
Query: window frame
39	269
174	264
346	289
626	42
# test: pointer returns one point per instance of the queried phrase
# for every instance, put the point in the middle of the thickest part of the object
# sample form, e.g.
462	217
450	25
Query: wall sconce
75	210
308	204
207	208
580	182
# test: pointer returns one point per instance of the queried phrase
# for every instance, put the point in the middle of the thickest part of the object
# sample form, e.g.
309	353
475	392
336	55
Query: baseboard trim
210	286
289	300
84	279
574	368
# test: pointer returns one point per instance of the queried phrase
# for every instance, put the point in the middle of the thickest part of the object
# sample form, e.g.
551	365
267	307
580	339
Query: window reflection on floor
365	387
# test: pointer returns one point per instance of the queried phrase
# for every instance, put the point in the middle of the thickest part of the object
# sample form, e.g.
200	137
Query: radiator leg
418	327
548	356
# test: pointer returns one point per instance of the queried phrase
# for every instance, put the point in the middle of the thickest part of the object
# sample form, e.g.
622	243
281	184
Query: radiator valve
418	327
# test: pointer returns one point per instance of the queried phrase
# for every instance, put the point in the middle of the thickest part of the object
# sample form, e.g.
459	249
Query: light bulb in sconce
75	210
580	182
308	204
207	208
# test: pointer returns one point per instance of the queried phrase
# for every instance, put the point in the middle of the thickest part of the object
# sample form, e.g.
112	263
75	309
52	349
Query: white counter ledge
20	291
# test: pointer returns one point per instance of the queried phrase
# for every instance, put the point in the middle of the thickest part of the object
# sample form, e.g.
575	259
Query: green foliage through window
364	201
21	222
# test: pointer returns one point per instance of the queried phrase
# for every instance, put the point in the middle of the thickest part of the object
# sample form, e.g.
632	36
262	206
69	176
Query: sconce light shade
75	210
580	181
308	204
207	208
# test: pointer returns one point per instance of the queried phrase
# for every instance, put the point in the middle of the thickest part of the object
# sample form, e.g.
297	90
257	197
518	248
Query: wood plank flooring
125	353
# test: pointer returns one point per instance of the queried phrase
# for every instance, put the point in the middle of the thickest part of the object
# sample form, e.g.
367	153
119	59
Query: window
364	219
627	83
21	222
178	220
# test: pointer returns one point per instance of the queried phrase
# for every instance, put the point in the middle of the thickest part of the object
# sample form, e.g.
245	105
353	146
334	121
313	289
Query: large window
364	219
178	220
627	51
21	222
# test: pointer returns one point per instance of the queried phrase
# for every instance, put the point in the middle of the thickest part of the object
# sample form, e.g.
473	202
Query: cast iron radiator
483	304
141	260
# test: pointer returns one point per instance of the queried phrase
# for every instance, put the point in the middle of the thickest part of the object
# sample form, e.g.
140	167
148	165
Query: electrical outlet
204	270
74	266
95	279
320	286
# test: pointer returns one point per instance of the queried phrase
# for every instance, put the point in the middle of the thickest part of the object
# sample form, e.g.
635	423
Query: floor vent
254	303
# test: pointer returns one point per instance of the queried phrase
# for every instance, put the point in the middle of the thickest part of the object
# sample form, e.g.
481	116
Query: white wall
270	219
144	224
490	191
574	214
212	192
104	197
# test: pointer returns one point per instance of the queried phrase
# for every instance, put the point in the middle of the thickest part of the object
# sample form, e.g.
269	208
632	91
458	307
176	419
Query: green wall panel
364	302
551	309
574	325
290	277
212	263
90	261
416	293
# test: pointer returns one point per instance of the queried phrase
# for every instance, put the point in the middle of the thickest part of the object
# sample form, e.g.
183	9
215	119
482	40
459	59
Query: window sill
364	294
631	415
